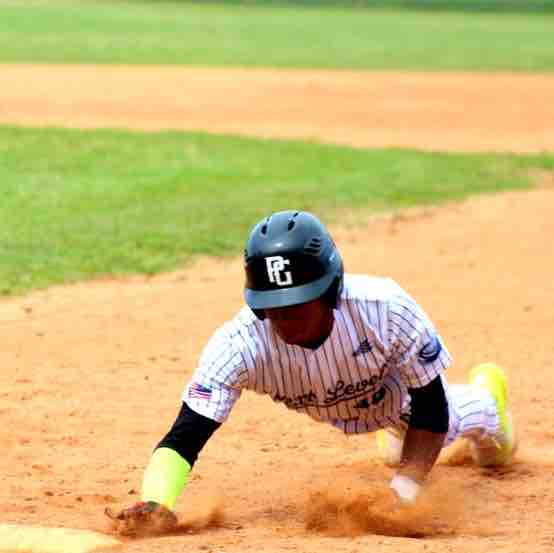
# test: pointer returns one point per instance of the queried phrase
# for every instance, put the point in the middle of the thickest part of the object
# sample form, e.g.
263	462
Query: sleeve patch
430	352
197	391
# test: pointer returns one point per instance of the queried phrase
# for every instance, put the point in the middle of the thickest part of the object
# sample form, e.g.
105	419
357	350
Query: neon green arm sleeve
165	477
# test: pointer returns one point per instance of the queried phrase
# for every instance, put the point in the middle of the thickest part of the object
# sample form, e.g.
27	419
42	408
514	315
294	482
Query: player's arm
421	358
167	473
427	429
207	401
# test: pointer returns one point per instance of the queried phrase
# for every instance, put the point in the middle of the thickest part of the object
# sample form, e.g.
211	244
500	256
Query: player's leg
482	415
478	411
389	445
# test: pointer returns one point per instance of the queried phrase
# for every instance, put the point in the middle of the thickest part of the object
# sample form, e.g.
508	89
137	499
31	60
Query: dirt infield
442	111
92	374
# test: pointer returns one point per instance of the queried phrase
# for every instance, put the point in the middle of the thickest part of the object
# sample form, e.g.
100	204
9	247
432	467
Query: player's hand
405	489
145	517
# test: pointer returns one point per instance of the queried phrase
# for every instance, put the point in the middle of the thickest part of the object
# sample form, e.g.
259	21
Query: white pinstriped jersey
382	343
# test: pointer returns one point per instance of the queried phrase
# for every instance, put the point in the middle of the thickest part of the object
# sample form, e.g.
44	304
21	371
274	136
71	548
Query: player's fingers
128	526
164	519
117	522
140	518
112	515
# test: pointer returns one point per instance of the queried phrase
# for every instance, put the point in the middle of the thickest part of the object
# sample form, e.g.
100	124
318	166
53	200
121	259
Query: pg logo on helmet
276	270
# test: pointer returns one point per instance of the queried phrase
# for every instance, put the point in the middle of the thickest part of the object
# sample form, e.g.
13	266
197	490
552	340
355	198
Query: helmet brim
285	297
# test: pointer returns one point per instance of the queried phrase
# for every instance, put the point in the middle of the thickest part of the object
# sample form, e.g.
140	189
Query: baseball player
354	351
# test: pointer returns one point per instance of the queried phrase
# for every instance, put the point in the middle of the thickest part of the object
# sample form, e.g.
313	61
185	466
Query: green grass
496	6
113	31
80	204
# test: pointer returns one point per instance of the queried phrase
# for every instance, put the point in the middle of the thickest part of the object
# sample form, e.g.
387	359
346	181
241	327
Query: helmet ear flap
260	314
332	294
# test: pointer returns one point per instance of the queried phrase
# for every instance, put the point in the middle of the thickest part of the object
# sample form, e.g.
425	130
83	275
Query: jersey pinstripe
382	343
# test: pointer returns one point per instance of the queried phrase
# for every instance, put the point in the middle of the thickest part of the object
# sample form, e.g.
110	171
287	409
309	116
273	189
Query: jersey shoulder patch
430	351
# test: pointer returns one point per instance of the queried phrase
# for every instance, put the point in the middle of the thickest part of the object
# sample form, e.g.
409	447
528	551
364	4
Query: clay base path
438	111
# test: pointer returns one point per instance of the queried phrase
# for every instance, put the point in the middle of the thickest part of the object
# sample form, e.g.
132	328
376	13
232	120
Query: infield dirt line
432	111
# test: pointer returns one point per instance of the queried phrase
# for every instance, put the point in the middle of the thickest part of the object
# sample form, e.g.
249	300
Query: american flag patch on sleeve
197	391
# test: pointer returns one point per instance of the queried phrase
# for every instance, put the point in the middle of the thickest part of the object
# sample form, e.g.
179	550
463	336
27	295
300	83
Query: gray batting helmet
290	258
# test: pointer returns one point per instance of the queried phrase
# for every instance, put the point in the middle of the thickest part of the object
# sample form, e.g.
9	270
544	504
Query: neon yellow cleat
389	446
497	450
